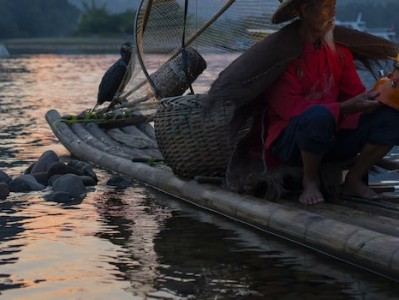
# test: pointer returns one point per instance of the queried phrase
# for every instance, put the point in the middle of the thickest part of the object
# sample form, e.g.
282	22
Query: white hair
328	39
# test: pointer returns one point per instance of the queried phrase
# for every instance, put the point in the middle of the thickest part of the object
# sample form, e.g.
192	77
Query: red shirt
320	77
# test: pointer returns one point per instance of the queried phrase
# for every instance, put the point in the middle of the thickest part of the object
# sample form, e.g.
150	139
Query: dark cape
244	81
252	72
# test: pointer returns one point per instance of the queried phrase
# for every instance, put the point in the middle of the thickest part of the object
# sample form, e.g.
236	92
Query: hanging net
213	33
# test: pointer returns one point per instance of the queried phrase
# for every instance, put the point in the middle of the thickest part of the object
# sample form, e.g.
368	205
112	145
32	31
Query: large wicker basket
193	144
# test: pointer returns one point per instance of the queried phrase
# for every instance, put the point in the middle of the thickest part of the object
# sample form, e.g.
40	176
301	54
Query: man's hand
361	103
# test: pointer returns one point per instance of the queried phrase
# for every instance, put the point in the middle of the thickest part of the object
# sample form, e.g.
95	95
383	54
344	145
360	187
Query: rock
4	177
61	168
71	184
41	177
4	191
60	197
25	183
44	163
84	167
88	181
29	169
69	181
119	182
53	178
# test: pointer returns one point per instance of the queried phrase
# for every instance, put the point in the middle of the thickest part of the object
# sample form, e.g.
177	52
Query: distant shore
65	45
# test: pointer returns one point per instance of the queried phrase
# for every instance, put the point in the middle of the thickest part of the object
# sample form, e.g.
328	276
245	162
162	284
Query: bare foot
357	188
311	193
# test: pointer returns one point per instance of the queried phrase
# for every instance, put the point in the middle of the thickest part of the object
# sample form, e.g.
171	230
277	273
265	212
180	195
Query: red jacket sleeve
350	83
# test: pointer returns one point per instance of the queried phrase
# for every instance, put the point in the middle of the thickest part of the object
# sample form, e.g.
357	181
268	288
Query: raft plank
371	249
366	217
148	130
80	149
96	131
139	141
135	118
91	140
135	132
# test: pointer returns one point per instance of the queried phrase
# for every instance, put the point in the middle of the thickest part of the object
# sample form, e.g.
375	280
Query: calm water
133	243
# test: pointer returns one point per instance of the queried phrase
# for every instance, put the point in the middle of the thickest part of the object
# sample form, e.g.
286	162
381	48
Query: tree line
59	18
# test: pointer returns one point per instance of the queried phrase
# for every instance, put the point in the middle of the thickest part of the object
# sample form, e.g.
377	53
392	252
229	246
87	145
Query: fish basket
193	144
172	80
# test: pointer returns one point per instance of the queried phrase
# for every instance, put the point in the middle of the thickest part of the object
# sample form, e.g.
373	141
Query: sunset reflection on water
128	244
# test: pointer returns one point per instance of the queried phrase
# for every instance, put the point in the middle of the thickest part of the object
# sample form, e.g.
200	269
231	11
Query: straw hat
287	10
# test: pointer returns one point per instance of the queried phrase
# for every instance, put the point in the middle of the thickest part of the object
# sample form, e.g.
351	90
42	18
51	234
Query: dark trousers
315	131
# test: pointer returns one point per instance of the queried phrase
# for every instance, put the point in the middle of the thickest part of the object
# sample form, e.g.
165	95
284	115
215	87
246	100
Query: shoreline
90	45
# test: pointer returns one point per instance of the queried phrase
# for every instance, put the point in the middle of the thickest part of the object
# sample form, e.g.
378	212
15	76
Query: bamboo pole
89	139
99	134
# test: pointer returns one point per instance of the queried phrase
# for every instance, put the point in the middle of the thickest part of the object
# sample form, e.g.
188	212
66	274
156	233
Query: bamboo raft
360	232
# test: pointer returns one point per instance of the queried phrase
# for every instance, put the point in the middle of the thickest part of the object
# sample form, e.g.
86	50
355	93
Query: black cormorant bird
115	78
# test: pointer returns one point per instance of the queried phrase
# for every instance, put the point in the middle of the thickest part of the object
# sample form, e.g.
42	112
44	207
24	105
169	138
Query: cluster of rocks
68	180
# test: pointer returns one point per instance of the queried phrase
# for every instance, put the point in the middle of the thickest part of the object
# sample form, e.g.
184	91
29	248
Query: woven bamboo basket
171	80
193	144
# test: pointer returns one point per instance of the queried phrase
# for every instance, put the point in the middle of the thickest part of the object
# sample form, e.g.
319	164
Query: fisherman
317	108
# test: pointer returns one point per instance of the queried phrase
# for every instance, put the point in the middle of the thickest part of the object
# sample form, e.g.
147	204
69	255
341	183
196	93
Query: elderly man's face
320	16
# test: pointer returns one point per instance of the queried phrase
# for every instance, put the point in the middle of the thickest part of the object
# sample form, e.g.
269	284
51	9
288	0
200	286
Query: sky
205	8
122	5
113	6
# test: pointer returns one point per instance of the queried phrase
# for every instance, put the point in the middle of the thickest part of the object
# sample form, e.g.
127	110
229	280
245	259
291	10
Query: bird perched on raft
115	78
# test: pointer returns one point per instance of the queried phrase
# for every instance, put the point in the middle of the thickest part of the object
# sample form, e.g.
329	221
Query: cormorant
115	78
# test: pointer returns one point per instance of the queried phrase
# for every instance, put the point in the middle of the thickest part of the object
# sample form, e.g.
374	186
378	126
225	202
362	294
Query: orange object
388	87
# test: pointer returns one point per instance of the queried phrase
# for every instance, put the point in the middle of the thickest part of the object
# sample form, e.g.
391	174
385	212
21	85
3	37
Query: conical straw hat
287	10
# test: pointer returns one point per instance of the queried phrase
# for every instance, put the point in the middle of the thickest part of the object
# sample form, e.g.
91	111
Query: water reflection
118	244
54	251
216	257
134	220
11	225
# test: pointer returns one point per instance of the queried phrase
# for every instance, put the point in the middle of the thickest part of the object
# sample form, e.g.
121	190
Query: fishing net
214	32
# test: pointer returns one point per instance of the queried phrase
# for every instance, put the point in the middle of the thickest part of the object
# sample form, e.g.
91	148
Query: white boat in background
383	32
264	32
3	51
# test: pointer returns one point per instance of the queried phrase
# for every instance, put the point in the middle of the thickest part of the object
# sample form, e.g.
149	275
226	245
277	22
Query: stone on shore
44	163
25	183
72	184
4	191
4	177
